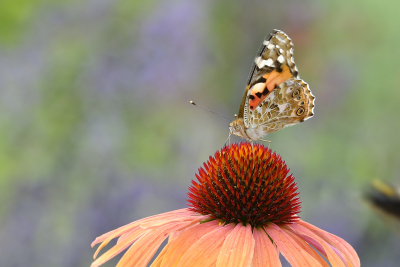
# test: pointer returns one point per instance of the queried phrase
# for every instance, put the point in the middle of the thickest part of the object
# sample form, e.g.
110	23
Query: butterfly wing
275	96
273	65
290	103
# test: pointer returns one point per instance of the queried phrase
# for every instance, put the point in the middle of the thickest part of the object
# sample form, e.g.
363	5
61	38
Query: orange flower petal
238	248
306	246
177	216
289	248
335	242
158	260
330	253
121	230
175	235
173	219
347	250
265	253
205	251
115	234
175	250
141	252
156	223
111	253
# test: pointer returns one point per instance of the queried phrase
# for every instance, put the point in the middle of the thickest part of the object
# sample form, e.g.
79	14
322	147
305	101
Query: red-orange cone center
245	184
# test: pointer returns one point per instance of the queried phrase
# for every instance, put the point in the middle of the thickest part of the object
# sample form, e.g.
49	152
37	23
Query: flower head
243	212
245	184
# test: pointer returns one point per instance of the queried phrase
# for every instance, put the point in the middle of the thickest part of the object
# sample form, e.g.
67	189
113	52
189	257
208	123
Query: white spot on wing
265	42
262	62
270	46
280	59
281	39
258	60
269	62
281	50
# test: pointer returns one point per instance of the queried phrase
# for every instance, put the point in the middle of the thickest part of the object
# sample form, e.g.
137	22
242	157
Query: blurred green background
97	130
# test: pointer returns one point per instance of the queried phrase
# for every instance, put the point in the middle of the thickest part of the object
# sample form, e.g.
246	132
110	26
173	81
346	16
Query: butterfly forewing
275	54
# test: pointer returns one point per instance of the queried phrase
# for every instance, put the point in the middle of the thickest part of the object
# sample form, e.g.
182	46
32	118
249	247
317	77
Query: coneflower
243	212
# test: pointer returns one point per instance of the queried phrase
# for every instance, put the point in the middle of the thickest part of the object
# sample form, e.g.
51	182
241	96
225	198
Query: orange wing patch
260	91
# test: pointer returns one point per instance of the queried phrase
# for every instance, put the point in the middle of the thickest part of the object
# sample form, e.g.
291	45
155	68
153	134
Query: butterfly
275	97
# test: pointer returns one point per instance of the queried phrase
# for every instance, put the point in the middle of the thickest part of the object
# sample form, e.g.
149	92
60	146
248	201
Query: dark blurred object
384	198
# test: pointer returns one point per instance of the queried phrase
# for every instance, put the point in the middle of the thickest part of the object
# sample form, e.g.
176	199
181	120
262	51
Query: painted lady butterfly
275	96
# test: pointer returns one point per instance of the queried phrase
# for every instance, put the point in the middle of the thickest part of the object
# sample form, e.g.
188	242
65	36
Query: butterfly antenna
194	104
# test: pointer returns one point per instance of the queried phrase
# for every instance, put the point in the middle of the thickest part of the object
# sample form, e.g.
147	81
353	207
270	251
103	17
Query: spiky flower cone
245	184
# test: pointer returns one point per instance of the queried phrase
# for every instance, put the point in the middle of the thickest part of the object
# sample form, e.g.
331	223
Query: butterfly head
237	128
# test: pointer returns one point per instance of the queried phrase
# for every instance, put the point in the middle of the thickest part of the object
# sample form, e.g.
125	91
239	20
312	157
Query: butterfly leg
228	139
269	142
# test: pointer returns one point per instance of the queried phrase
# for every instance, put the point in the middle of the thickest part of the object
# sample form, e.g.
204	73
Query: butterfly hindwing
288	104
